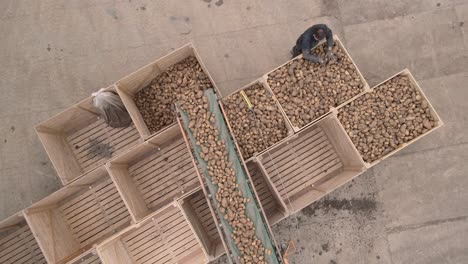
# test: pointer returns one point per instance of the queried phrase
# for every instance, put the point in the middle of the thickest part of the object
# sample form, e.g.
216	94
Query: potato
386	118
308	90
156	101
256	131
230	199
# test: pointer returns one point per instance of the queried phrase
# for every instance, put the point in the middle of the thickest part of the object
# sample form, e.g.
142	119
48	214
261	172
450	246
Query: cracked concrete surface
412	208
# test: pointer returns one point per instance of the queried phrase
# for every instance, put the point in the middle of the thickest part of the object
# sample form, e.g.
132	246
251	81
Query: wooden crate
89	257
70	221
17	243
154	173
77	141
311	163
229	122
164	237
341	46
274	207
434	114
130	85
196	209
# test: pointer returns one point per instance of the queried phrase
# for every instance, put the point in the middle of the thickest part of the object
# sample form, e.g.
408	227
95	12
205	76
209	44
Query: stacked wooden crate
133	196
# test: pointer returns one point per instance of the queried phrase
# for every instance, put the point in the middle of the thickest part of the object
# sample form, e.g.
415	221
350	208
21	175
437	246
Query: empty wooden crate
129	86
164	237
78	141
197	211
311	163
70	221
154	173
17	243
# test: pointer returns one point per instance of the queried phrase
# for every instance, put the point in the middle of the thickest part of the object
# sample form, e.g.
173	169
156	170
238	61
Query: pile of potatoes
308	90
259	130
156	101
382	120
231	200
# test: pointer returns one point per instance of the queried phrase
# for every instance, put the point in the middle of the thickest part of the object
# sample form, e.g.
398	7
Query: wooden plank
318	147
164	237
297	166
128	191
158	201
93	214
264	193
133	111
114	253
167	179
174	149
61	156
341	142
282	152
115	142
54	236
97	160
164	169
115	139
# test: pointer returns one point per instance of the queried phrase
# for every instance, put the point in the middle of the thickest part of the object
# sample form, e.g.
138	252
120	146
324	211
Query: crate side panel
274	209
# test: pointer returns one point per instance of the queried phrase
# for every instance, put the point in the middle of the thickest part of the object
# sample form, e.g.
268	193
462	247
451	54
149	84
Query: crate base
95	213
20	247
96	143
166	239
164	175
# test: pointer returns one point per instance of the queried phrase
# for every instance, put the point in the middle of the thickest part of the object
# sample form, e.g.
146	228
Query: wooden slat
20	247
113	138
164	175
297	165
95	213
177	147
119	146
117	139
283	153
165	239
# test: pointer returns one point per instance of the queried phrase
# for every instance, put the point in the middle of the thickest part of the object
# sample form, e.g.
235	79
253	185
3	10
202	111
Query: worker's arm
329	37
306	46
306	54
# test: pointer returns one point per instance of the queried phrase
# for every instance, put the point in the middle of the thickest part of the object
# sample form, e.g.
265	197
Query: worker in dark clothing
309	39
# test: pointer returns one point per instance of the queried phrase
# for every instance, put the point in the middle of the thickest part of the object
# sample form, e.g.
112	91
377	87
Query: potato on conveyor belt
259	130
231	200
390	115
307	90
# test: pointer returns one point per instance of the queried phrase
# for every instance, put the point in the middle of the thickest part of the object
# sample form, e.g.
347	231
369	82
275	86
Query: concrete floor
412	208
